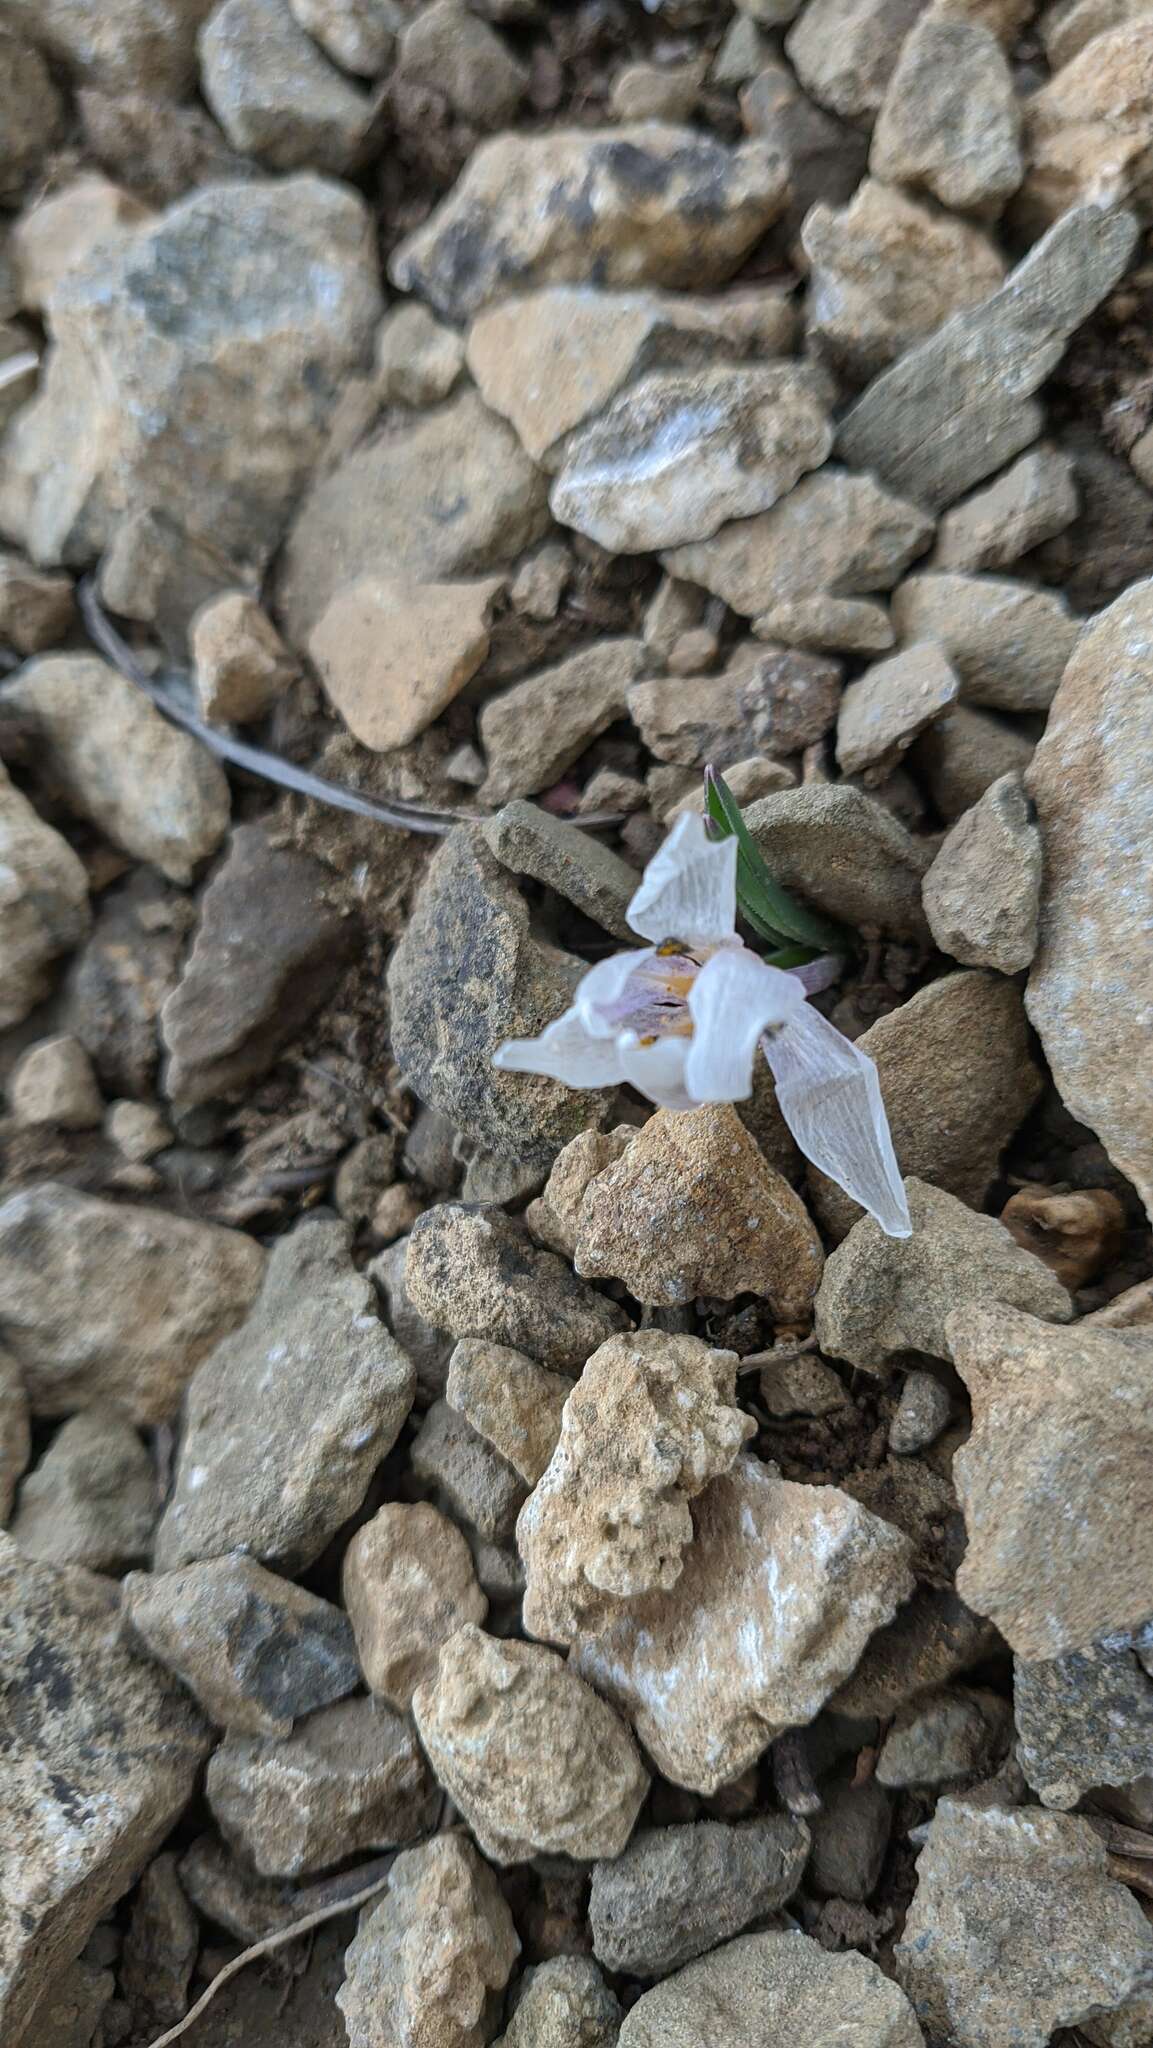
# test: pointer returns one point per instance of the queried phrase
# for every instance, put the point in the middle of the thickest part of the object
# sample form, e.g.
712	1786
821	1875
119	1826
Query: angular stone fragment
53	1083
359	35
43	902
392	654
1008	642
445	49
536	729
408	1584
934	1637
774	1991
1059	1416
417	359
712	1670
1033	500
152	789
882	713
621	206
92	1499
242	665
693	1207
850	1838
36	610
1083	1721
924	1409
1070	1943
536	1762
1087	129
845	852
554	1218
290	1417
883	1295
511	1401
844	51
588	874
982	893
150	41
679	1891
107	1301
777	698
950	120
958	1732
564	2003
255	1651
482	1489
964	753
1092	979
825	157
160	1946
431	1958
15	1435
958	405
275	94
473	1272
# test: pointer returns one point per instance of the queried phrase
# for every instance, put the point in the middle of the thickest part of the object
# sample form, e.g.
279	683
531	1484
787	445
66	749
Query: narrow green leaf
769	908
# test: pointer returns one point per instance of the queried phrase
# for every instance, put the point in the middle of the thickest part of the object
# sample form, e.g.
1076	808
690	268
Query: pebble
161	1945
880	1296
1008	641
650	1422
1070	1943
581	869
769	700
1032	501
982	894
363	1175
1083	1721
657	92
509	223
482	1489
923	1411
255	1651
1058	1416
392	654
942	1737
825	157
159	572
289	1418
536	592
748	779
153	790
112	1302
534	1759
511	1401
53	1083
964	753
845	853
773	1991
437	1950
348	1779
1093	810
693	1207
242	665
803	1385
679	453
554	1218
474	1272
15	1434
275	94
563	2003
59	232
119	980
36	609
886	272
950	121
677	1892
1087	129
535	730
850	1834
845	51
743	50
408	1584
959	404
91	1500
31	113
417	359
446	49
713	1669
44	908
1077	1234
359	35
427	1347
882	713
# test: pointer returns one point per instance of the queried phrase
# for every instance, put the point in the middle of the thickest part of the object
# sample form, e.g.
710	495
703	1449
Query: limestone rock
677	1892
431	1958
982	893
1008	642
106	1301
1076	1234
712	1670
588	874
536	729
825	157
120	979
834	533
473	1271
964	753
1069	1943
159	571
924	1409
883	1295
850	1839
624	206
359	35
680	452
845	852
554	1218
941	1737
882	713
31	111
242	665
1083	1721
269	951
536	1762
92	1498
53	1083
563	2003
290	1417
957	406
255	1651
275	94
511	1401
231	290
482	1489
1087	130
777	698
43	903
845	51
152	789
657	92
773	1991
1093	813
408	1584
950	120
161	1946
444	48
960	1045
392	654
60	231
417	359
1059	1417
151	42
1032	501
100	1762
650	1422
36	610
693	1207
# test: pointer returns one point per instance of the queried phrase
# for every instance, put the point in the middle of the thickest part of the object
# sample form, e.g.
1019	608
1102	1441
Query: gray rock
934	1637
160	1949
1033	500
429	1348
43	905
53	1083
775	698
36	610
149	43
773	1991
290	1417
588	874
845	51
564	2003
850	1839
964	753
886	708
1083	1721
982	893
922	1412
15	1434
92	1500
119	980
845	852
446	49
1008	642
418	360
825	157
679	1891
480	1486
474	1272
255	1651
941	1737
510	1400
31	111
960	404
950	121
107	1301
158	571
536	729
359	35
275	94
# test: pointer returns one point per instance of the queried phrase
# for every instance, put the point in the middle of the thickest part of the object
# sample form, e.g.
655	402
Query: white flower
682	1017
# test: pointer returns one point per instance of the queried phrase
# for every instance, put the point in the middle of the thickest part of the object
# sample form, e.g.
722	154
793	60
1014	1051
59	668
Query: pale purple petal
733	999
566	1052
689	888
600	994
657	1068
819	974
830	1098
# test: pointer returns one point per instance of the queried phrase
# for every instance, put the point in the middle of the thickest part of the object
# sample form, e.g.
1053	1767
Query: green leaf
771	911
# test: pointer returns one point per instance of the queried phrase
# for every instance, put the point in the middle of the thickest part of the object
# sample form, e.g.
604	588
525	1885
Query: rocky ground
417	1482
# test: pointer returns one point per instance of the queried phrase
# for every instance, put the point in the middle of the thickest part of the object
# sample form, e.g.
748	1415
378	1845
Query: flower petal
602	989
566	1052
830	1098
733	999
689	888
657	1067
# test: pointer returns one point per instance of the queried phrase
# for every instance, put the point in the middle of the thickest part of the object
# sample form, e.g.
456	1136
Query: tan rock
92	1498
853	625
1087	130
657	92
563	2003
31	110
395	1213
825	157
885	272
650	1422
845	51
61	231
693	1207
408	1584
754	777
536	1762
417	359
712	1670
1068	25
950	121
846	853
393	653
359	35
54	1083
474	1272
536	730
242	665
1055	1479
36	610
44	909
1076	1234
964	753
1092	978
554	1217
511	1401
880	1296
1009	642
274	92
766	1990
1035	499
982	893
446	49
882	713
